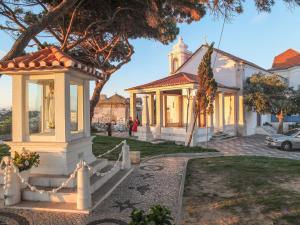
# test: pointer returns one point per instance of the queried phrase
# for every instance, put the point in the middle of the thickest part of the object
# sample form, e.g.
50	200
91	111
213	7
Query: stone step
51	181
97	197
98	181
56	180
67	195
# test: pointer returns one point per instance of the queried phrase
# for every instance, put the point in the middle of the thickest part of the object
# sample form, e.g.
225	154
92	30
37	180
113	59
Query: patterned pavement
251	145
156	181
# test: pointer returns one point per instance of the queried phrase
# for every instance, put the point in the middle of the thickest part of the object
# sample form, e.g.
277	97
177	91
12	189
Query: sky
253	36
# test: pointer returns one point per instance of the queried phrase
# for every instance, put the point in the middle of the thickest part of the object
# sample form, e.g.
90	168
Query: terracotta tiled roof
233	57
285	60
47	58
114	99
173	80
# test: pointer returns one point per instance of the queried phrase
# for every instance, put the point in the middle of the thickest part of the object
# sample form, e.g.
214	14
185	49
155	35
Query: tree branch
34	29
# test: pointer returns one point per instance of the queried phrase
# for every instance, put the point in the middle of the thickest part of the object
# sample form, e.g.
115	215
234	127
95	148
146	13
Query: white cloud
259	18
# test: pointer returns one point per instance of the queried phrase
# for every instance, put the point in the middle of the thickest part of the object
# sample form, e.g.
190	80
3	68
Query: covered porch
169	105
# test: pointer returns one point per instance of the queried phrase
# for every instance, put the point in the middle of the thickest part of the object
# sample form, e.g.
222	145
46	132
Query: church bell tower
178	55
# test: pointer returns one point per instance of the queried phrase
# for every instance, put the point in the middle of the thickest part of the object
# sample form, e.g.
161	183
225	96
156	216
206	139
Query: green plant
26	160
158	215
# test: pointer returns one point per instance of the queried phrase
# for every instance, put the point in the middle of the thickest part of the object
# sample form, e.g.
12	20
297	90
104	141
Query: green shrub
157	215
26	160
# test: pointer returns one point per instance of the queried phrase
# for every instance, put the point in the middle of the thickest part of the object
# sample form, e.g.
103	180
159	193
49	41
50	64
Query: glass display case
41	107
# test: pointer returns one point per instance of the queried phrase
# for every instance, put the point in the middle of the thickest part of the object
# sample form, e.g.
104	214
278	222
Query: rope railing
72	175
114	148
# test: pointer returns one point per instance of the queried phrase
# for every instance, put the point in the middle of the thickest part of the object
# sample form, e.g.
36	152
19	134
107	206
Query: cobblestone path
156	181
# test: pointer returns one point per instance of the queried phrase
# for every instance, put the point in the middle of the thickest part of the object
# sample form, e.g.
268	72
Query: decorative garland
72	176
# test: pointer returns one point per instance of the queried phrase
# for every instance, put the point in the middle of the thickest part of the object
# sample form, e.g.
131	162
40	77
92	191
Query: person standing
108	129
130	125
135	125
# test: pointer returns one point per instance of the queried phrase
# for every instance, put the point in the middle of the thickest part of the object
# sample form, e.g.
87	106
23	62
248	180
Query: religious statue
50	108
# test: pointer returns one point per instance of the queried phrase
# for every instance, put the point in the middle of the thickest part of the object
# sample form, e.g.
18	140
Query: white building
287	65
170	100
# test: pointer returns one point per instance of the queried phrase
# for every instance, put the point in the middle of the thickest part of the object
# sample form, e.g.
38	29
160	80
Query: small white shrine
50	108
51	116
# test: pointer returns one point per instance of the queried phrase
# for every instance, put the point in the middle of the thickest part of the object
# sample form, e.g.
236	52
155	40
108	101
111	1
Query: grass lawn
105	143
242	190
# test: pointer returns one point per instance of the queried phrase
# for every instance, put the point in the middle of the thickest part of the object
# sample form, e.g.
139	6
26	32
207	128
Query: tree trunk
193	127
34	29
96	97
280	118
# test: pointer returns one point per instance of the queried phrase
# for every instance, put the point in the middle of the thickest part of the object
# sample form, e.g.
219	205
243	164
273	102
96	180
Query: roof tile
180	78
287	59
48	58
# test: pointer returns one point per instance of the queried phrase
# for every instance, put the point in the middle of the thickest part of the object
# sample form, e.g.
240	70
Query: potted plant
25	161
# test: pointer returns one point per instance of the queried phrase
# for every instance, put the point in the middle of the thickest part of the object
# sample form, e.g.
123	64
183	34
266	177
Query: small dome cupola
180	46
178	55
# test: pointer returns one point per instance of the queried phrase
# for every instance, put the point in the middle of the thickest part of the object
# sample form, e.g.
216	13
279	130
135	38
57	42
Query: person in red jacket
135	125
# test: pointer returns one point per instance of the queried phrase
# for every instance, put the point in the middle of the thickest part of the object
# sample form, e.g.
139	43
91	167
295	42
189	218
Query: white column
86	108
165	106
84	197
221	111
19	113
132	105
212	122
180	110
151	109
159	112
145	132
236	113
80	107
145	117
62	107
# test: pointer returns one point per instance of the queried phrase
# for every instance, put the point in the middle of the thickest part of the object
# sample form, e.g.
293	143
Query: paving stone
156	181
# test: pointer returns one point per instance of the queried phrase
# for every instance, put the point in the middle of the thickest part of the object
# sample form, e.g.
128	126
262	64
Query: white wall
249	71
224	68
251	121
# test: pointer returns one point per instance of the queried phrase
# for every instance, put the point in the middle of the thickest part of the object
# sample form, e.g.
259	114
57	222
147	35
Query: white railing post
126	163
84	197
12	185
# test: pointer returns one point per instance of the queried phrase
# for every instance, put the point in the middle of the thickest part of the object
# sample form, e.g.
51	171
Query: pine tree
207	88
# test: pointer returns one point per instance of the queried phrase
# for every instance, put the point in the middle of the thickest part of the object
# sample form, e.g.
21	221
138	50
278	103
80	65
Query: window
174	65
41	107
76	106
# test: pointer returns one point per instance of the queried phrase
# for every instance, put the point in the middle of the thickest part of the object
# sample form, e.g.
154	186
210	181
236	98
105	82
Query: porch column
180	110
19	113
165	110
236	113
151	109
145	117
86	108
133	105
62	107
222	110
159	112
